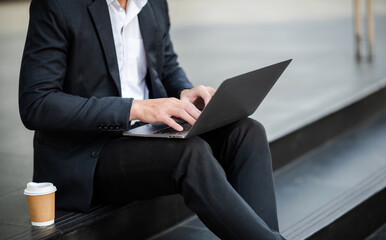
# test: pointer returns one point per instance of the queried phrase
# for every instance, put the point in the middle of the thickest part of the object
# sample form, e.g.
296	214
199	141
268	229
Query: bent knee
252	126
197	144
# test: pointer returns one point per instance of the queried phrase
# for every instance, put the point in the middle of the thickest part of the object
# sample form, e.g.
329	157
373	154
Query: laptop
235	99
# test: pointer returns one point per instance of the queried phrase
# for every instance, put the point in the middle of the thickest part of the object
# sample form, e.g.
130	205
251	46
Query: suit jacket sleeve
43	104
173	77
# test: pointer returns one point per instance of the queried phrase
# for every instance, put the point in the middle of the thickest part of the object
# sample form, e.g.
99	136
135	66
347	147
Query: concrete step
336	191
137	220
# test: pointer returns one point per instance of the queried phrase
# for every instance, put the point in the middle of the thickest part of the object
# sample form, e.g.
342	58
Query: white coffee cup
41	203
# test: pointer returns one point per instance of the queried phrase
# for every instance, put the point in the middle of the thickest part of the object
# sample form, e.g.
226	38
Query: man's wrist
134	110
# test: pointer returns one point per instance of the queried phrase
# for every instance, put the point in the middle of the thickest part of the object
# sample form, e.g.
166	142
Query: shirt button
94	154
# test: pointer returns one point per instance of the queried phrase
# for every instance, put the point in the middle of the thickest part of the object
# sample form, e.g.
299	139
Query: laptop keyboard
171	131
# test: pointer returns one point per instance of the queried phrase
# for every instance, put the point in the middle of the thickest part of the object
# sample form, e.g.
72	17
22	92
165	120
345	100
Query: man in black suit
71	95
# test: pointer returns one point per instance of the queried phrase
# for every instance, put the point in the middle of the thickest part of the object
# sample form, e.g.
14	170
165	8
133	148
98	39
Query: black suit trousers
225	176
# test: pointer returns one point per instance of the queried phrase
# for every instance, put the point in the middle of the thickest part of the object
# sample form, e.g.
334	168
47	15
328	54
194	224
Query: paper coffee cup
41	203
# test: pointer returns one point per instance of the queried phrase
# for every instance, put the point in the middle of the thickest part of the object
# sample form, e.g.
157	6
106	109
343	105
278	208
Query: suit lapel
147	24
100	15
149	31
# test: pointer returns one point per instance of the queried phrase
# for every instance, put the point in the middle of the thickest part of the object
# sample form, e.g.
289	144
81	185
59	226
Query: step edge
293	143
353	198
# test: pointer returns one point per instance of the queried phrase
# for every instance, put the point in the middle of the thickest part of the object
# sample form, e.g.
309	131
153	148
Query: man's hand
162	110
199	96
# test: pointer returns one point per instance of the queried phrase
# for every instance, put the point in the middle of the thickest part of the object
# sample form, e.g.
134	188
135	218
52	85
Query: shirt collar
109	1
140	3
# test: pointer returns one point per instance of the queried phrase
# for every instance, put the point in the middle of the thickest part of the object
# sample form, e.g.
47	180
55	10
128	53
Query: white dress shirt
129	48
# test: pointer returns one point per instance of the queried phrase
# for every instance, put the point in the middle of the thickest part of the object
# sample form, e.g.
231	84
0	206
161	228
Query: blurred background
219	39
216	40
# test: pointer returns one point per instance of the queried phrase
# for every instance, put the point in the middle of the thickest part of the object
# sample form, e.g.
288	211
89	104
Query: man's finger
184	115
171	123
205	95
188	118
192	110
211	90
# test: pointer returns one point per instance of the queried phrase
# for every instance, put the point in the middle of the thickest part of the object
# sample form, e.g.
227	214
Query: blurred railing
359	29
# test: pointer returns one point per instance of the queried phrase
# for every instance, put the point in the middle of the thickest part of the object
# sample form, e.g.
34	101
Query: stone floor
216	41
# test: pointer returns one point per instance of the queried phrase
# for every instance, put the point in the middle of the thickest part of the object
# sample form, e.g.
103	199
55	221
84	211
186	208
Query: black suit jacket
70	90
